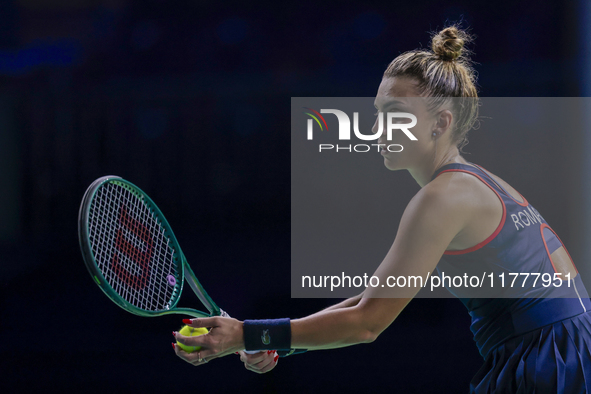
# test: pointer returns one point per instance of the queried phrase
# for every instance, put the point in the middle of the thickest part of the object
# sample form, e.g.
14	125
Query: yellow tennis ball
189	331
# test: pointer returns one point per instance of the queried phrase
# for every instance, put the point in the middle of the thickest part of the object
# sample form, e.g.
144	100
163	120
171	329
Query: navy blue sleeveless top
522	243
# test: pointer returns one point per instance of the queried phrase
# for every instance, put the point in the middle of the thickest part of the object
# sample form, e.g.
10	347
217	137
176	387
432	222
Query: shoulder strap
474	169
495	182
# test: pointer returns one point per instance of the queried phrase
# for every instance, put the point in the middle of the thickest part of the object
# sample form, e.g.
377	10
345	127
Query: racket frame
183	269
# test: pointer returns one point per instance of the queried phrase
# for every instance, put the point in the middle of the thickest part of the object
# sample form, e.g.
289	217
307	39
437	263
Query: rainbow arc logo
316	119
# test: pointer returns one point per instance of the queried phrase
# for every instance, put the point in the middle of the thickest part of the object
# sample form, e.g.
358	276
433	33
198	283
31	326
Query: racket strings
131	248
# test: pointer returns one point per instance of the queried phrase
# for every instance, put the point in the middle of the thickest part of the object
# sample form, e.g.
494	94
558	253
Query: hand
261	362
225	337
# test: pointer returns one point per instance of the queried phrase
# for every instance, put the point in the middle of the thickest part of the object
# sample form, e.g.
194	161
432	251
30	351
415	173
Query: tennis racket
132	254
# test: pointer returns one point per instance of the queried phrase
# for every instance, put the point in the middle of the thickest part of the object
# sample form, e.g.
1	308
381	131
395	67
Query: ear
443	122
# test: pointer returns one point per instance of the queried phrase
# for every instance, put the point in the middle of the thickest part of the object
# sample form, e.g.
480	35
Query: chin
390	164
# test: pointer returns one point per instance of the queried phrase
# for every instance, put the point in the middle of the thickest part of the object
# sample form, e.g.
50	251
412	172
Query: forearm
349	302
335	328
329	329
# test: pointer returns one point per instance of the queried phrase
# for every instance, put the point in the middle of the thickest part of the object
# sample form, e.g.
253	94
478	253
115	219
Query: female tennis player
533	342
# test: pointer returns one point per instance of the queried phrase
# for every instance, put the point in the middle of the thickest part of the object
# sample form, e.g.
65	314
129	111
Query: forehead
395	89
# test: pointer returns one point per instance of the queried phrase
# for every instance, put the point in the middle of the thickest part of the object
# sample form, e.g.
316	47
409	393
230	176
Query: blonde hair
443	73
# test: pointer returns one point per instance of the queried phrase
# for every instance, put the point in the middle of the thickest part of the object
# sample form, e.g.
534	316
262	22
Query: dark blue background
190	101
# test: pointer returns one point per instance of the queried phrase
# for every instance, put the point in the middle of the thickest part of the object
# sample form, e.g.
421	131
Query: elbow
369	326
368	336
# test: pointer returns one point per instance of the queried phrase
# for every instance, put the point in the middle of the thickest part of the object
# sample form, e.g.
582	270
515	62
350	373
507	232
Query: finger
182	354
265	368
210	354
266	360
243	356
191	358
203	321
270	366
201	359
260	366
268	357
179	352
200	340
260	353
195	358
257	357
254	369
208	349
197	362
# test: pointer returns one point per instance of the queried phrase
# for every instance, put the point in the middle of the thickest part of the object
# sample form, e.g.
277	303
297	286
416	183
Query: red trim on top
523	204
542	227
499	227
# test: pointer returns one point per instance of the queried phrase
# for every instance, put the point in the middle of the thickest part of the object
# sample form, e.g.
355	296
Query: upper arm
429	223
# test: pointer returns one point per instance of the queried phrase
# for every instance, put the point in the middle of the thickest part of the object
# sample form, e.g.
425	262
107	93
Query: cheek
421	131
424	136
413	150
422	146
423	140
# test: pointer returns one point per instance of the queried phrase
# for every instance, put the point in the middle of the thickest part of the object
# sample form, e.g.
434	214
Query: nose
375	127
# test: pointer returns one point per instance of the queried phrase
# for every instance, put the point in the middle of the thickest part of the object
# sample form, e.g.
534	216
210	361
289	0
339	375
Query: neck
423	172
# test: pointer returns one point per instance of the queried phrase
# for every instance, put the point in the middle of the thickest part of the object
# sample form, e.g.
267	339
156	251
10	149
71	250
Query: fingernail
187	321
173	346
174	334
268	351
236	353
276	358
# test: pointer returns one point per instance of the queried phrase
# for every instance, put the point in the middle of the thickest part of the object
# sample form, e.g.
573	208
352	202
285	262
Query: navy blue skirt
552	359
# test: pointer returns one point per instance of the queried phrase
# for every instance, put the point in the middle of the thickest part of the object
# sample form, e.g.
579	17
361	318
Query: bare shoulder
454	200
446	202
451	191
465	203
431	221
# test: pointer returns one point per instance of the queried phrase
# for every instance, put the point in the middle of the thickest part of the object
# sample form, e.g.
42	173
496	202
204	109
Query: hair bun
448	44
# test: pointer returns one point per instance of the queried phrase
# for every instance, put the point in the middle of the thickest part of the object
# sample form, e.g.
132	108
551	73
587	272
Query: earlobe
442	123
